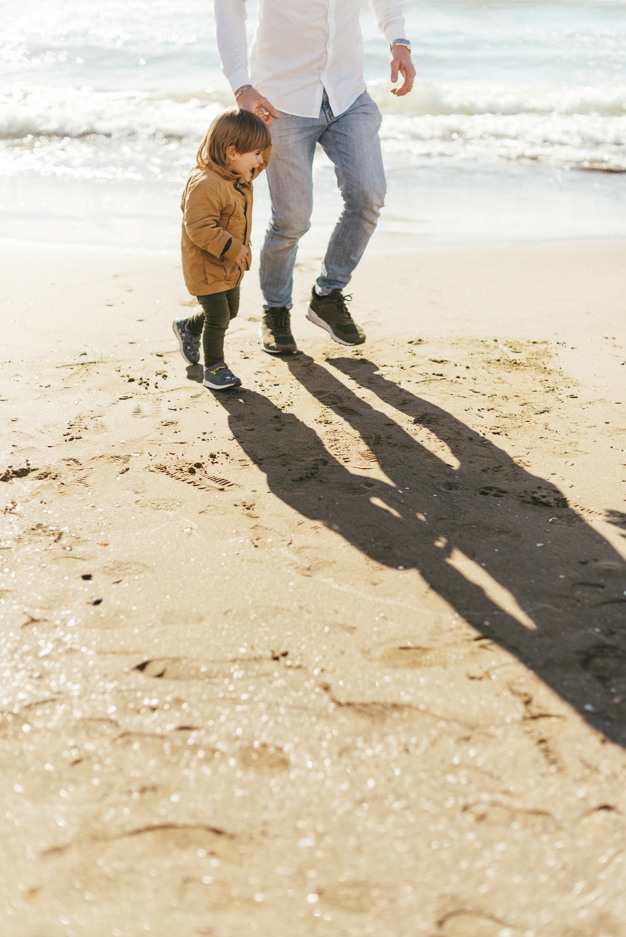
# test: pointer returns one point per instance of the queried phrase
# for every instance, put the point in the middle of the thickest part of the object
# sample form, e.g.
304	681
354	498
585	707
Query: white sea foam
497	98
575	126
73	112
78	112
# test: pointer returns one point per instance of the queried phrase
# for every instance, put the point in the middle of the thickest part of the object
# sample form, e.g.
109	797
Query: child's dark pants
212	321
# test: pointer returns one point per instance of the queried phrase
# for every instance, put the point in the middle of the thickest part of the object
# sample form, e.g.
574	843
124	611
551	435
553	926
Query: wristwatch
401	42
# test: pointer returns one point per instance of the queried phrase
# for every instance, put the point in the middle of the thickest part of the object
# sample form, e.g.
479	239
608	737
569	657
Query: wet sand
341	652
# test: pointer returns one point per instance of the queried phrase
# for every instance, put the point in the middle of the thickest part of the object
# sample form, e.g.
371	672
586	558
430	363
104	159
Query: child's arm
201	217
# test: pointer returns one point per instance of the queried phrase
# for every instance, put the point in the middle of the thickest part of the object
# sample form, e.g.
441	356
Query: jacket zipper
245	230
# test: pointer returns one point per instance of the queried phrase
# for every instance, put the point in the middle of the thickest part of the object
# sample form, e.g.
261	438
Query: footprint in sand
427	419
605	662
545	497
472	924
368	455
159	504
604	820
380	712
539	821
266	759
417	657
176	668
492	491
165	839
194	473
180	668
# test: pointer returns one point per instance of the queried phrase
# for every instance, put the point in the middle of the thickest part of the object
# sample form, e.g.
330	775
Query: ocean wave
576	126
79	112
74	112
477	99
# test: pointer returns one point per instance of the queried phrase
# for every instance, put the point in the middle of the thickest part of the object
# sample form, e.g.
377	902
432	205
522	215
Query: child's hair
241	129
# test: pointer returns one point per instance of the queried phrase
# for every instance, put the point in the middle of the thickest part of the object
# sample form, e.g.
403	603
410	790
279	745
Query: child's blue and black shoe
189	344
220	377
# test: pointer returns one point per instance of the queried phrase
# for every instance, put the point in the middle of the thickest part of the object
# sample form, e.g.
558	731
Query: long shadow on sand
485	521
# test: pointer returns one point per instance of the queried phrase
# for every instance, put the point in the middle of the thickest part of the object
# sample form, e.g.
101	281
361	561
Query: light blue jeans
351	142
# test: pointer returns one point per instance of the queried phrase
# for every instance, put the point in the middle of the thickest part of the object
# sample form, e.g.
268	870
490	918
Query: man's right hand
252	100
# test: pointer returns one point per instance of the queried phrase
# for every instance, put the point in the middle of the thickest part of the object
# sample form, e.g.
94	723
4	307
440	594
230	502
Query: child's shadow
465	515
195	372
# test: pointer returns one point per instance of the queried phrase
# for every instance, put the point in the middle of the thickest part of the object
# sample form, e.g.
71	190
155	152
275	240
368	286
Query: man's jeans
352	144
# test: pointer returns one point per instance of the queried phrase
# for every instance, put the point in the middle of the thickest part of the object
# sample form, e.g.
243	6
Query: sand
341	652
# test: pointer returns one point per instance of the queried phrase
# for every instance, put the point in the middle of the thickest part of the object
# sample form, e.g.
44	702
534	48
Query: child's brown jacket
217	217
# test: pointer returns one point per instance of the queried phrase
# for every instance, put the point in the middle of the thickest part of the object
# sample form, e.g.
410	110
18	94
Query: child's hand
240	259
251	100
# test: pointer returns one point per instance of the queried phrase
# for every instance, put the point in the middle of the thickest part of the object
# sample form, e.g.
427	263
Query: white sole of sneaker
180	345
220	386
315	319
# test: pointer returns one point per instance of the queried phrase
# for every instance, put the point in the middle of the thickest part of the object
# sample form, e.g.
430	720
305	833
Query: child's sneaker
189	344
330	313
220	377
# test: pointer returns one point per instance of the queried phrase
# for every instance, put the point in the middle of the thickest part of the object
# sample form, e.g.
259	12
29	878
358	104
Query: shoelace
280	321
340	301
221	367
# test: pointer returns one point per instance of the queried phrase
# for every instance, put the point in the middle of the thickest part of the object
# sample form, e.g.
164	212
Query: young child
217	217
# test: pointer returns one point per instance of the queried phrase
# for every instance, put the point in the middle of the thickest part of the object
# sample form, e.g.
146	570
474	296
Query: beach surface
340	652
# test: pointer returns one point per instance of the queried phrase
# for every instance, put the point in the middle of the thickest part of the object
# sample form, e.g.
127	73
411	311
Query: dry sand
342	652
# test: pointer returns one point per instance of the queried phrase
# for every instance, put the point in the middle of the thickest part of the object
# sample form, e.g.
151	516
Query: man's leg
290	179
351	141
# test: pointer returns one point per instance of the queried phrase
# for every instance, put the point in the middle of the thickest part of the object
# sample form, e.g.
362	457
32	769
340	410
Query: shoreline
19	244
433	204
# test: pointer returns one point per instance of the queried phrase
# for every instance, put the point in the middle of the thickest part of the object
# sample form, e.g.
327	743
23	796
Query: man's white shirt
300	48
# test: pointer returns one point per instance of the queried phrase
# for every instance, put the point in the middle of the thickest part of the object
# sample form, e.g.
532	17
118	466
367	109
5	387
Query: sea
515	131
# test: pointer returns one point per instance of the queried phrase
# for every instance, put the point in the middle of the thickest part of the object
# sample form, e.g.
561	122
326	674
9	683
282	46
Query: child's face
243	164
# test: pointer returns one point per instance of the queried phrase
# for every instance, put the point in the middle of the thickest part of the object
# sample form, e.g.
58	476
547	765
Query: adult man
306	81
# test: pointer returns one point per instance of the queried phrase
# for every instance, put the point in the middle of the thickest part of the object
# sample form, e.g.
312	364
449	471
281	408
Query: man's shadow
468	509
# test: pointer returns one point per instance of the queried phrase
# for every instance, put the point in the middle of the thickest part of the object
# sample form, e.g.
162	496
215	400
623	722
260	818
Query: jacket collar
233	177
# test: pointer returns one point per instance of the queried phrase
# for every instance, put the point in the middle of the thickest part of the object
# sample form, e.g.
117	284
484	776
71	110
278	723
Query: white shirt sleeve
232	43
389	18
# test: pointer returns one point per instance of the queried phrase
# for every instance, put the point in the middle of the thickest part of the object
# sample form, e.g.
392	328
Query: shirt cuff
238	79
233	250
396	30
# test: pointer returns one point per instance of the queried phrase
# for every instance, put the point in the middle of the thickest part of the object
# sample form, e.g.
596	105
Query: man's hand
240	259
400	62
252	100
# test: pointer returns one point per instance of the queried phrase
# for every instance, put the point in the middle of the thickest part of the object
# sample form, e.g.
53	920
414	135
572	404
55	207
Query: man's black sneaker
330	313
220	377
275	331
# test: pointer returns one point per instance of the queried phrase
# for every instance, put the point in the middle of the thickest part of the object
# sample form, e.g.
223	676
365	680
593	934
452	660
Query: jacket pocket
213	270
